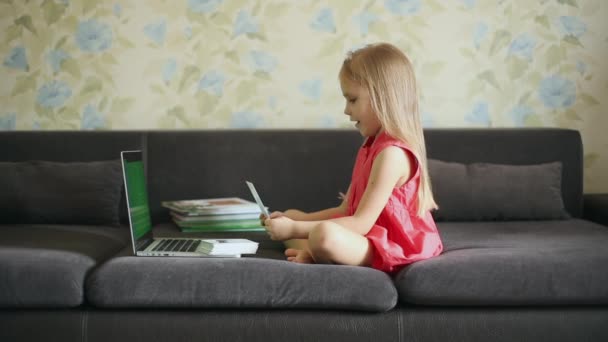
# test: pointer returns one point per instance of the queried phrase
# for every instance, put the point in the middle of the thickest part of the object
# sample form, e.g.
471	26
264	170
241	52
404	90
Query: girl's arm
326	214
390	166
321	215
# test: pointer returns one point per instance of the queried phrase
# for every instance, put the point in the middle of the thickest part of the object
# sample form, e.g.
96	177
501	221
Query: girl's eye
352	100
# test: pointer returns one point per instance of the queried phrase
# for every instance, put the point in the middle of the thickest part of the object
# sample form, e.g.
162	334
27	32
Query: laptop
139	216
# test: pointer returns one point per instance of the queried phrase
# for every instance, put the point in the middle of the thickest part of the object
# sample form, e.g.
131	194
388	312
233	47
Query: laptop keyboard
177	245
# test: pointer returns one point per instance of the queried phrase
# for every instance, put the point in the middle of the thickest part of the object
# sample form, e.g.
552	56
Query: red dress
399	237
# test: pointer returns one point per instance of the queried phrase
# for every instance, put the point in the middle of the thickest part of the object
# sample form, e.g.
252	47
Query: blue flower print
117	10
311	89
572	26
427	119
402	7
156	31
479	114
244	24
523	46
469	4
17	59
246	120
203	6
363	20
8	122
188	32
93	36
55	58
272	102
327	121
169	70
479	33
261	61
581	67
53	94
557	92
213	82
324	21
91	119
519	114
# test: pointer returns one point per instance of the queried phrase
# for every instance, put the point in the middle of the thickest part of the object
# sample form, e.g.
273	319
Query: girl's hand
279	227
274	214
301	256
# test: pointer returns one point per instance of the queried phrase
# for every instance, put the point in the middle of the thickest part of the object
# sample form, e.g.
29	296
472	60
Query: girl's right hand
274	214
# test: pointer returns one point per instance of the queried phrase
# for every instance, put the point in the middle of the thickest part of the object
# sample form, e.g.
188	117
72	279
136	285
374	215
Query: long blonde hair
389	77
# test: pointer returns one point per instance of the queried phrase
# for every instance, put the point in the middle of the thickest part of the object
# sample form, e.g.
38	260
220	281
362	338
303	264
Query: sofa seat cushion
46	265
173	282
512	263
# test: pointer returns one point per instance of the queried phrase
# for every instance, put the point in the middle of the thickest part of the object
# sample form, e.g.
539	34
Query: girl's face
359	107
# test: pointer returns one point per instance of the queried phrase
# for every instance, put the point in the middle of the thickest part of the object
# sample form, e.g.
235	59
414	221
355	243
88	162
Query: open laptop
139	216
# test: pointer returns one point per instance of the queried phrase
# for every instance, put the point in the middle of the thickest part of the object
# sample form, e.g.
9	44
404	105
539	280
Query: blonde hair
389	77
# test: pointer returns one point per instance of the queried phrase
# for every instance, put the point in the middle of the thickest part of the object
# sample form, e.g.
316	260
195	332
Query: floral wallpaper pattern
161	64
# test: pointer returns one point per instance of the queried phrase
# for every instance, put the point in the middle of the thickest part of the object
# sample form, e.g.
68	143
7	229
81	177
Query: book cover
214	218
219	230
212	206
221	224
247	226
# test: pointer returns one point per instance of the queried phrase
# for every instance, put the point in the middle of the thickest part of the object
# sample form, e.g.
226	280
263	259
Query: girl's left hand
279	228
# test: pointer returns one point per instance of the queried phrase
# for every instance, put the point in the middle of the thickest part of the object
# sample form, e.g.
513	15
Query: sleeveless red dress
399	237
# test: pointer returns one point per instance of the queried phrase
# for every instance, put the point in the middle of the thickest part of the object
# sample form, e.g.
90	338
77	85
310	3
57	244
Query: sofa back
291	168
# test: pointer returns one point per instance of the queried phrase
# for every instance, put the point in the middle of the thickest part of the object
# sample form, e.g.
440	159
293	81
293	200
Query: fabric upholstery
60	193
515	146
46	265
172	282
512	263
483	191
596	208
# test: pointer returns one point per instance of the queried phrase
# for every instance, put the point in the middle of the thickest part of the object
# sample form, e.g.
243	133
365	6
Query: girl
384	220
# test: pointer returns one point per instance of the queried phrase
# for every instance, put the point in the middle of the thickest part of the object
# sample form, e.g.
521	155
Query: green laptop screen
138	198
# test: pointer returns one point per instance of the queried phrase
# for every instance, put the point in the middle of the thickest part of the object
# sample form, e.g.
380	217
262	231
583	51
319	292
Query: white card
257	198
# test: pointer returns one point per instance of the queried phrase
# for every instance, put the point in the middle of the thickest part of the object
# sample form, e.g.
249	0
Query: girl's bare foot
301	256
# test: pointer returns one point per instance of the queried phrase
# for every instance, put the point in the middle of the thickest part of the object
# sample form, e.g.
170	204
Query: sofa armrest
595	208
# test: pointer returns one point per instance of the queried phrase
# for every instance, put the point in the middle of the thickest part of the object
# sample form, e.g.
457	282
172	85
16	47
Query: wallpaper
217	64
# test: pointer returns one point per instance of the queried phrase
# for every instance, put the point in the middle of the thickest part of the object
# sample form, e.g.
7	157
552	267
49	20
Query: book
214	218
228	246
212	206
221	224
224	226
219	230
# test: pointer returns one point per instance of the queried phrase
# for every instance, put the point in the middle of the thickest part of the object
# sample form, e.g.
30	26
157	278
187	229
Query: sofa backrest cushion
516	146
60	193
482	191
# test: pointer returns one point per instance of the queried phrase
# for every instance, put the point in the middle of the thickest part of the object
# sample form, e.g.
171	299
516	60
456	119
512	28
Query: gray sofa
522	259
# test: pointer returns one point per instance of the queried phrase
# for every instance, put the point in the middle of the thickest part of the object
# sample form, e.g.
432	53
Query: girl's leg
330	242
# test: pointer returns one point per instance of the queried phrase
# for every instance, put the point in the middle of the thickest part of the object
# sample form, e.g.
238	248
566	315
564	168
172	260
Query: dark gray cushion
168	282
45	265
483	191
60	193
512	263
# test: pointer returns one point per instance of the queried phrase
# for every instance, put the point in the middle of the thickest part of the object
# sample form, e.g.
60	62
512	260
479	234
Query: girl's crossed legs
330	242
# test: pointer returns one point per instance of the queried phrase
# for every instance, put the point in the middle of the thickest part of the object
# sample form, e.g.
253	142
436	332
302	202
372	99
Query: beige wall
85	64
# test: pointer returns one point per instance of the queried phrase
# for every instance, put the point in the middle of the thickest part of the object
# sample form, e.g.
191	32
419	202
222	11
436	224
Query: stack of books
230	214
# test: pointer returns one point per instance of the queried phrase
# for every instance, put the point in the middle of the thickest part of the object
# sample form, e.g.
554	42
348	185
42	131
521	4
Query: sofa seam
399	327
85	320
